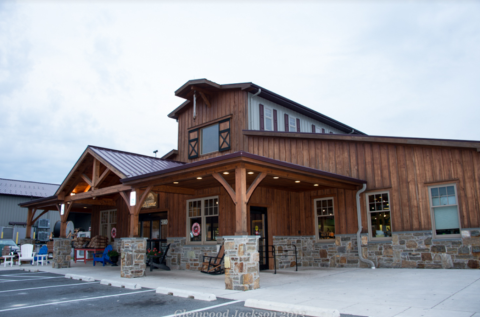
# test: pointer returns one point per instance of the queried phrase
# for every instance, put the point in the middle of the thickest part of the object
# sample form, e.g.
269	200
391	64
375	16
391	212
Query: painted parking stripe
23	273
202	309
75	300
35	288
32	279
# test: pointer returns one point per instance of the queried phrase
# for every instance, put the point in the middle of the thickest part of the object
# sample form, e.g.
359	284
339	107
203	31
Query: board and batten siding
305	122
405	171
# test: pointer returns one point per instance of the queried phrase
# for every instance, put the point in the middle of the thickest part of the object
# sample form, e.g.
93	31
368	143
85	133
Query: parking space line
76	300
26	289
23	273
202	309
32	279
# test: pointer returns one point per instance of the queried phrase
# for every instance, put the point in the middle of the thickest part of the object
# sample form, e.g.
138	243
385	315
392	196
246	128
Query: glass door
258	227
108	220
150	226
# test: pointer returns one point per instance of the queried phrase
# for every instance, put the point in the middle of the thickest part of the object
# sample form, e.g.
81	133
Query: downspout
353	130
194	105
258	92
359	240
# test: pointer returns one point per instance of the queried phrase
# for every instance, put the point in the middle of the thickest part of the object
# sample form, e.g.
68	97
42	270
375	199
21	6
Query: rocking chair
162	264
213	264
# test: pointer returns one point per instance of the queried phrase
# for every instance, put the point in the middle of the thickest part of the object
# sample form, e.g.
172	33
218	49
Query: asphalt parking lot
46	294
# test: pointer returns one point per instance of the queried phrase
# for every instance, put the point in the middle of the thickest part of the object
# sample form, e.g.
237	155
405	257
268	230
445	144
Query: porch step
121	284
291	308
186	294
80	277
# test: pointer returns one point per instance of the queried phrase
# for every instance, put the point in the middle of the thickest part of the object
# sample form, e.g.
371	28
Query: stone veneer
405	250
243	272
189	257
62	249
133	257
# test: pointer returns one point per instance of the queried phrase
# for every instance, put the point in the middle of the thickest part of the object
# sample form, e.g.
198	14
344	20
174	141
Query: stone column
133	257
62	249
241	252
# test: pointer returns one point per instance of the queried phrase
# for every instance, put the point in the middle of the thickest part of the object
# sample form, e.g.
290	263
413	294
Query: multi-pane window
202	221
380	225
292	124
108	220
325	218
268	119
210	137
318	130
444	206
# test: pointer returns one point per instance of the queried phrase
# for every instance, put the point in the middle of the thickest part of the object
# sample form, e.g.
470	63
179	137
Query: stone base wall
133	257
243	272
405	250
27	241
62	249
189	257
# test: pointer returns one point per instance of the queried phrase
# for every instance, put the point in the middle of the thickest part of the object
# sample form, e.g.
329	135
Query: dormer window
268	119
292	124
209	141
209	138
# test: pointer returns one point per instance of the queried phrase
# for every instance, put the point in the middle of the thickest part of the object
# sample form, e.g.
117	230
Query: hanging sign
164	222
196	229
114	233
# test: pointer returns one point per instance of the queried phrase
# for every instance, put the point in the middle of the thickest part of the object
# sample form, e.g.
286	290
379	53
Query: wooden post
63	219
241	199
135	210
31	213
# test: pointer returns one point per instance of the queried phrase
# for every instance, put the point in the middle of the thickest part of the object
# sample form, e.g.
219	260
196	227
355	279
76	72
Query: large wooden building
253	163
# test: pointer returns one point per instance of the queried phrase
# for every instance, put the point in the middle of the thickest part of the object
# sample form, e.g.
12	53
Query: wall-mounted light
133	198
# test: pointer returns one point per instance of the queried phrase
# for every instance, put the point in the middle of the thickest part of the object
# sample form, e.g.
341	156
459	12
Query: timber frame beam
135	210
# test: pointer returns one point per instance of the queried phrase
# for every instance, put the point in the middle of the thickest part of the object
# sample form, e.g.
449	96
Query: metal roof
24	188
132	164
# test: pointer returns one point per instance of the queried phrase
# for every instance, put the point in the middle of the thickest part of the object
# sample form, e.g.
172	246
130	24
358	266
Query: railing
275	254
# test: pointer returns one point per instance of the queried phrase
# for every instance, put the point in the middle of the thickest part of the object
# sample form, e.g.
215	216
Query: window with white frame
202	220
379	219
325	218
268	117
318	129
292	124
444	211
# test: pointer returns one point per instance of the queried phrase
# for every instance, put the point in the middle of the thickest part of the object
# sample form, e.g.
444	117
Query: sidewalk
365	292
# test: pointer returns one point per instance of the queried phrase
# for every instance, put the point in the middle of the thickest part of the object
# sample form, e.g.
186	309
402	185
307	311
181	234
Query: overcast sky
80	73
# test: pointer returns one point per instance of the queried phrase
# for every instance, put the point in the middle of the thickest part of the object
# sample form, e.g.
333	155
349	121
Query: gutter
359	240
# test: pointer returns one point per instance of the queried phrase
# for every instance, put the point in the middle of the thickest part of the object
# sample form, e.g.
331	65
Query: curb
291	308
121	284
186	294
31	270
80	277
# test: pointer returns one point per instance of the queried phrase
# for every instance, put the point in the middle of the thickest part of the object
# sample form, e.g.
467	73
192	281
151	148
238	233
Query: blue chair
42	259
104	258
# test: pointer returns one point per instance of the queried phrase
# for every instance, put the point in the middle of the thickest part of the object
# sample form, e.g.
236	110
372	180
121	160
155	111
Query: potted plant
113	255
154	255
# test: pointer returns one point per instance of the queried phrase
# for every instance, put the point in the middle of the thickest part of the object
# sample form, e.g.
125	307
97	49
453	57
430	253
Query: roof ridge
131	153
17	180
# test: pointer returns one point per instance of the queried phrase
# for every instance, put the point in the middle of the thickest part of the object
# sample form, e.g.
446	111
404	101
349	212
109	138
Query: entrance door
108	220
258	227
153	227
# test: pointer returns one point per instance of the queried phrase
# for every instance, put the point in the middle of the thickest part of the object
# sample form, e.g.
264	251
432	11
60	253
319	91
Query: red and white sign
196	229
114	233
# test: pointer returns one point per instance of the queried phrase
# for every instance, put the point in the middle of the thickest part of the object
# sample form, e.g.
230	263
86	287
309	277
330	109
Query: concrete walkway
365	292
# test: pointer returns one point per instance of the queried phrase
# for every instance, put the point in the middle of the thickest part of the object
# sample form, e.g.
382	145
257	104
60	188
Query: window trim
315	222
369	215
432	214
265	118
289	125
203	225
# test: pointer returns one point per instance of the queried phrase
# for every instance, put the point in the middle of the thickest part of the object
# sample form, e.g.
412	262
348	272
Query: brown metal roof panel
132	164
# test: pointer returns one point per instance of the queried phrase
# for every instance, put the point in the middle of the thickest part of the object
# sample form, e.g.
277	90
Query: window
444	210
325	218
108	220
209	141
268	119
202	223
318	130
292	124
379	220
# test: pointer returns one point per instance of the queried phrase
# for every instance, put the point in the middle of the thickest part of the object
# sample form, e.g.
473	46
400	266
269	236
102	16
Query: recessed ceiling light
226	173
199	177
85	207
175	183
315	184
276	177
250	173
297	182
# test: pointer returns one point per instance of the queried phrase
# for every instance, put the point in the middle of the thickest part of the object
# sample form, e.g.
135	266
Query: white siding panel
305	122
